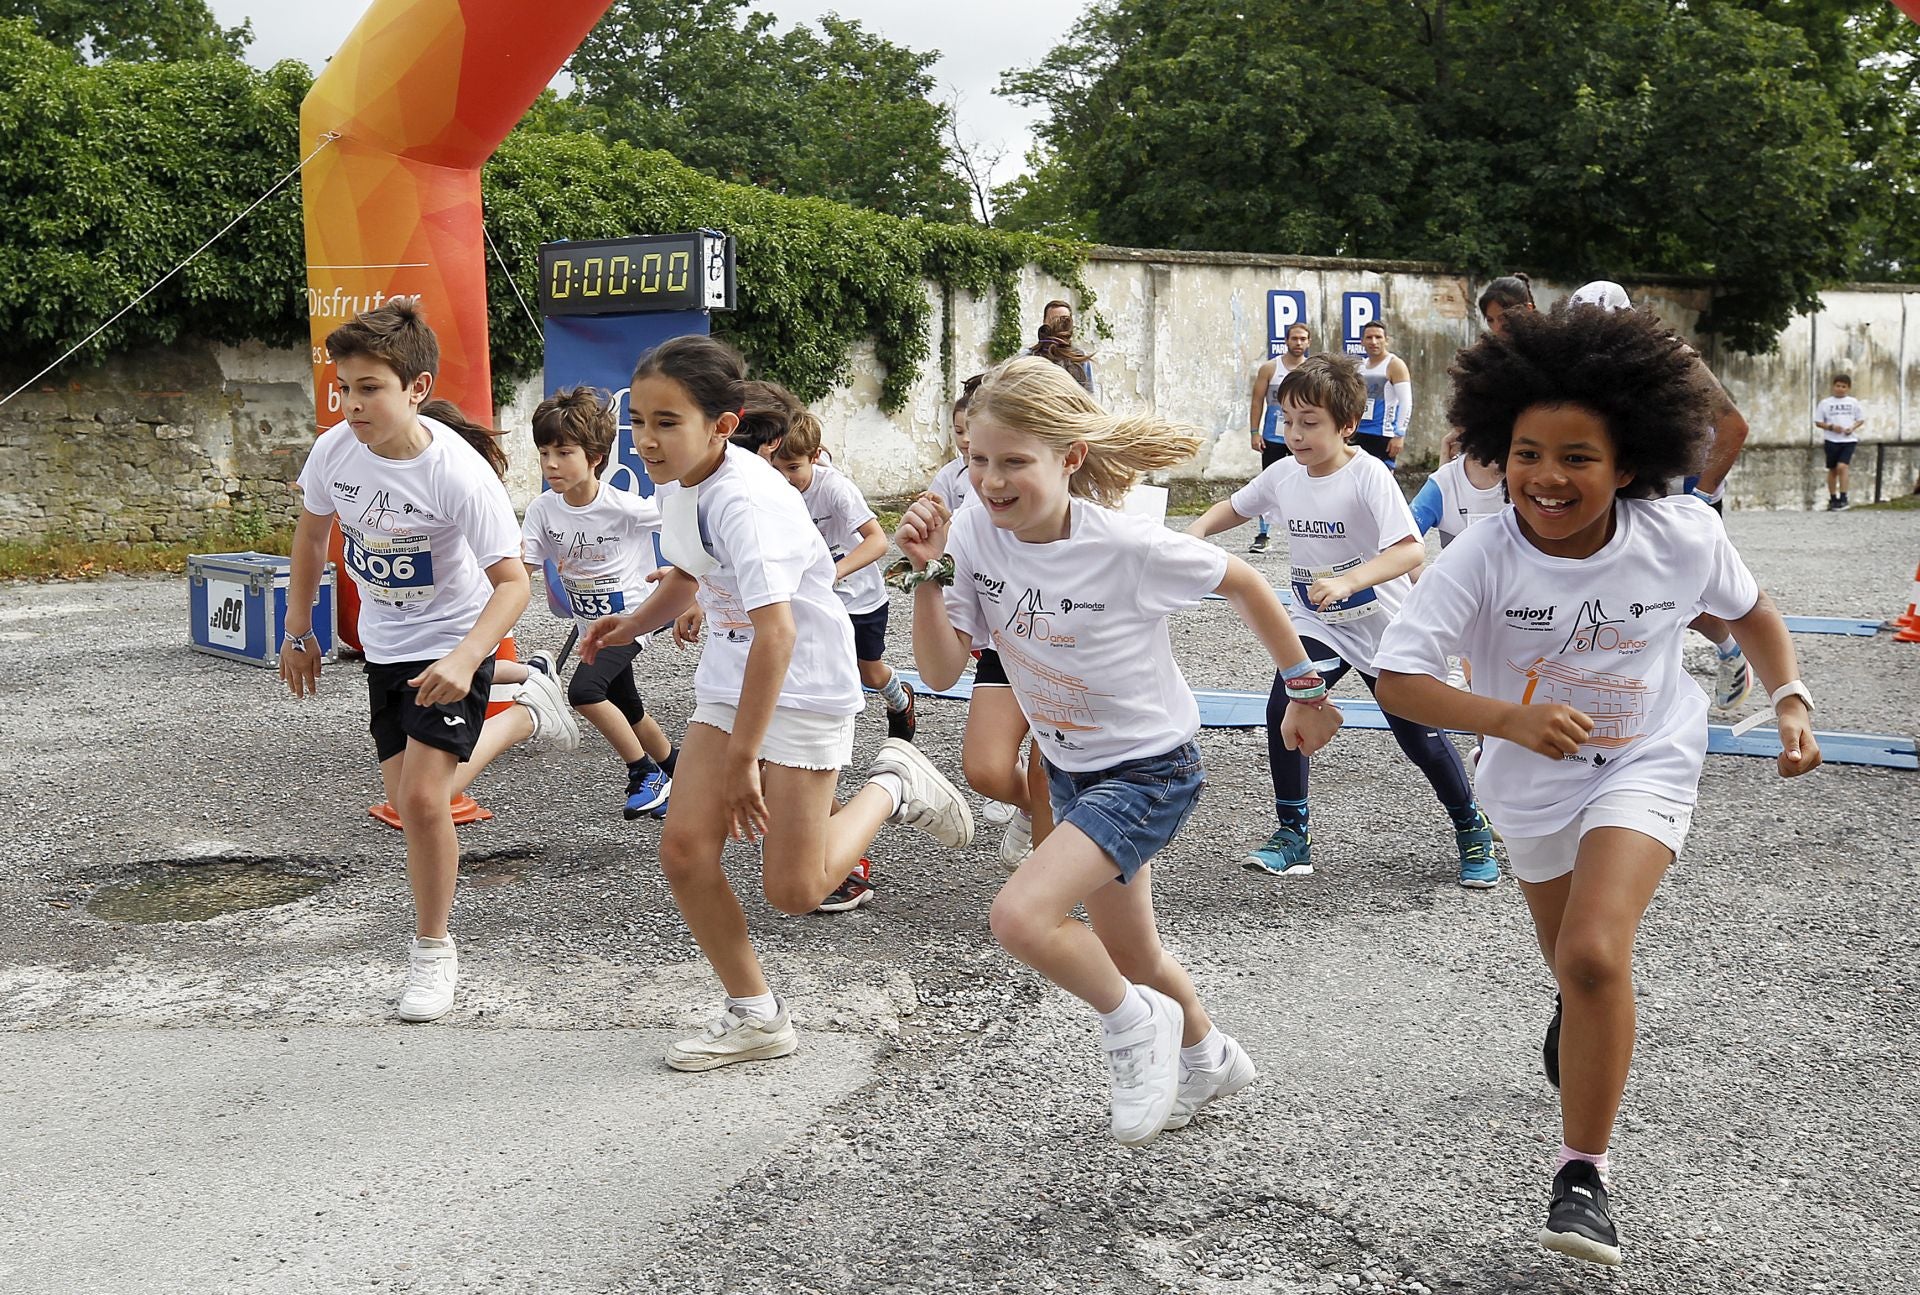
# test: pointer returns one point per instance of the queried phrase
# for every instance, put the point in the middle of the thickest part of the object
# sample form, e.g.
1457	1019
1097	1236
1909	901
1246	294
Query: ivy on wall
111	175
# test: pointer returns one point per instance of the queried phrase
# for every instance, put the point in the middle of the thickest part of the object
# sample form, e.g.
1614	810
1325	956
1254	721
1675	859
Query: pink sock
1568	1154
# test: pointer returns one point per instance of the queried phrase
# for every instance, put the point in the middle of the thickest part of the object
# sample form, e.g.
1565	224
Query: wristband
302	643
1703	496
1792	688
1306	689
902	576
1309	666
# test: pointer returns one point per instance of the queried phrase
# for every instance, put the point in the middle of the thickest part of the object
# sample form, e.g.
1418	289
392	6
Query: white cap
1604	293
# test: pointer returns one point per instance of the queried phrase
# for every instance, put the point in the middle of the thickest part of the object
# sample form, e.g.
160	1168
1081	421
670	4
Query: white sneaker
731	1037
553	725
1017	844
1144	1063
1456	674
1198	1087
433	970
997	812
931	803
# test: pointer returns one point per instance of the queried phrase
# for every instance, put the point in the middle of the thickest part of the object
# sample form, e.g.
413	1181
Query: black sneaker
901	723
856	890
1845	503
1259	544
1550	1050
1833	503
1577	1222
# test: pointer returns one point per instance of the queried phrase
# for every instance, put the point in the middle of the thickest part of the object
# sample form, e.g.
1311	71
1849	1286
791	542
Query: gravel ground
1401	1135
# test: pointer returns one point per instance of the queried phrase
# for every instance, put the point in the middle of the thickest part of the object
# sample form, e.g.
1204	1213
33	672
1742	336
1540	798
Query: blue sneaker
646	792
659	812
1287	853
1733	680
1479	867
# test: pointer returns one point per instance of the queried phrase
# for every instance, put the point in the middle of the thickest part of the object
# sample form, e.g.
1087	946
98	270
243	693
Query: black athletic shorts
988	670
1374	445
395	716
608	677
1271	452
869	633
1839	452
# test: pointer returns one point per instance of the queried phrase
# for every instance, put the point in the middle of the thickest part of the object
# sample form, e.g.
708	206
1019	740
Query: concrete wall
175	443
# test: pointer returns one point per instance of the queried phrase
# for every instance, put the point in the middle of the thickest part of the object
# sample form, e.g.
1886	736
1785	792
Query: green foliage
1577	138
112	175
836	113
816	276
132	29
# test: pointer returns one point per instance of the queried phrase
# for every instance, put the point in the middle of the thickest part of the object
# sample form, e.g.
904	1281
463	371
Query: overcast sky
977	41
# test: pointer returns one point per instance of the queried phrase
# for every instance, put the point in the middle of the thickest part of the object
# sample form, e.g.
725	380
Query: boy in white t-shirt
1460	492
856	543
1573	605
1839	418
1352	542
428	536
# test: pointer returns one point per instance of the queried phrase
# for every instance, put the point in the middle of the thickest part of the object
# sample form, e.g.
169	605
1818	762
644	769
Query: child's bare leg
652	738
990	752
512	725
690	846
811	845
422	782
1039	799
1614	879
613	725
507	672
1547	901
1122	918
1032	918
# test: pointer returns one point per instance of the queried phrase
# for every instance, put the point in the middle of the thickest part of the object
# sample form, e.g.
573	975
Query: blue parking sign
1357	310
1285	308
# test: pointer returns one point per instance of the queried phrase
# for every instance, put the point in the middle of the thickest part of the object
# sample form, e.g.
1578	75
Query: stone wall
202	438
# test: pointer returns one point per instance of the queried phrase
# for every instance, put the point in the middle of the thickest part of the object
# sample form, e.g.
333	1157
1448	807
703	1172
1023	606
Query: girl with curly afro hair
1573	604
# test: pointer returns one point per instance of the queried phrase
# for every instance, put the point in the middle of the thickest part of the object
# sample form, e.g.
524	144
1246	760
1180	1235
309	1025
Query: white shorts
798	739
1542	858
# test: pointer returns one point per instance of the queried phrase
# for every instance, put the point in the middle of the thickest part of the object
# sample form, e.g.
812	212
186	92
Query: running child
1382	426
1460	492
430	540
1263	419
1839	418
1075	597
1352	543
1575	603
952	482
775	693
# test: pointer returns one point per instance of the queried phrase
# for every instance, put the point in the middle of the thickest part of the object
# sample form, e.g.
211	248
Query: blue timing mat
1249	710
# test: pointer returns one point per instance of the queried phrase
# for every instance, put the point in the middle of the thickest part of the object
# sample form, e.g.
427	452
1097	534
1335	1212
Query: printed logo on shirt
1319	529
1539	619
381	513
1641	609
1067	605
346	490
989	587
1030	622
583	549
1617	704
1595	631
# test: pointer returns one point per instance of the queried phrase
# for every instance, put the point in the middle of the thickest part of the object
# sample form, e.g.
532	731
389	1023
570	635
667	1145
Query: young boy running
1352	543
430	540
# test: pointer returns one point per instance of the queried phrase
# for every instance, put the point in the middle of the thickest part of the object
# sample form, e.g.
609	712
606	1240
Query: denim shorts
1133	809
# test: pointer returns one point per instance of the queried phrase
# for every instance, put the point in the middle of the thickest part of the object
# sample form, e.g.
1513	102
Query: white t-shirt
1461	502
1333	524
604	551
954	485
1602	634
418	535
757	547
1081	627
839	510
1844	411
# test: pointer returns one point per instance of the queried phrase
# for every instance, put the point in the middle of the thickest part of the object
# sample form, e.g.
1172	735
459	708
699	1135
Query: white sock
761	1007
433	941
1206	1054
1599	1162
1133	1012
891	783
1725	645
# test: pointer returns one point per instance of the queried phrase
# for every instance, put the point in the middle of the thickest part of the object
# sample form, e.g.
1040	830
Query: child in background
1352	543
1268	436
1075	596
429	537
1840	418
776	693
1461	491
856	543
1576	602
952	483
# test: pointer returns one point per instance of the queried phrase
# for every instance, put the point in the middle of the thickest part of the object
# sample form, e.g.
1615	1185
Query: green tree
1578	138
836	112
132	29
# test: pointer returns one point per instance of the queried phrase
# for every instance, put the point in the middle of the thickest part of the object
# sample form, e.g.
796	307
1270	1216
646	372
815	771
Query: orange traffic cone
1907	625
464	808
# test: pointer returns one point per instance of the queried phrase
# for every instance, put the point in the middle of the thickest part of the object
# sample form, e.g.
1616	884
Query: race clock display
627	276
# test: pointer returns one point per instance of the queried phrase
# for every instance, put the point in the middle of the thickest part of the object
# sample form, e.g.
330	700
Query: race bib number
1366	414
1353	607
591	604
391	568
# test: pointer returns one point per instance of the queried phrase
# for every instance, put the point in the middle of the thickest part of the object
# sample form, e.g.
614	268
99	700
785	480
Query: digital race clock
626	276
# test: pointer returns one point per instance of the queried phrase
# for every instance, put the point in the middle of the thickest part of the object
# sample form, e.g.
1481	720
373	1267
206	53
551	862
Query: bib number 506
383	569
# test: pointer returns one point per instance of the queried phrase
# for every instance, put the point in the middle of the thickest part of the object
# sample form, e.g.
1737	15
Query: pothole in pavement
198	888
